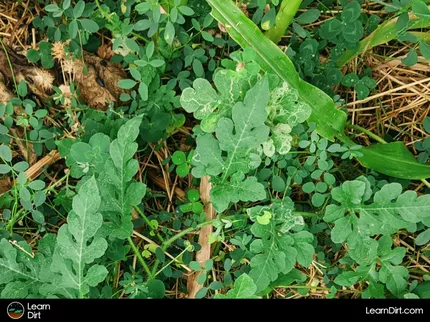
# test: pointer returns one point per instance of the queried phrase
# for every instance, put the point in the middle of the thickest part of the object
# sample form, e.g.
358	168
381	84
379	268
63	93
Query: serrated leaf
119	191
390	211
77	242
276	249
235	190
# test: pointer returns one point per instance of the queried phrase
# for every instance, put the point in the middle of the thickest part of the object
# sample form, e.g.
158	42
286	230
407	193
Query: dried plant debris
39	81
97	79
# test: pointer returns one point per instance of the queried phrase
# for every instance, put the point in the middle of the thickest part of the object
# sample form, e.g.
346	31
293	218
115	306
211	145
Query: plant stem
148	222
285	16
140	258
190	229
365	131
305	214
186	231
10	66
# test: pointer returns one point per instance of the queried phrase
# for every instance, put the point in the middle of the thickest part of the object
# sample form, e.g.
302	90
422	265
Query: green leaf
23	276
278	184
73	29
78	10
78	245
182	170
156	289
22	88
5	153
330	29
383	34
4	168
423	238
351	12
411	59
179	157
119	191
21	166
246	130
390	210
89	25
244	288
52	8
426	124
126	83
276	249
353	31
207	158
235	190
186	11
425	49
328	119
143	91
421	10
393	159
36	185
309	16
169	33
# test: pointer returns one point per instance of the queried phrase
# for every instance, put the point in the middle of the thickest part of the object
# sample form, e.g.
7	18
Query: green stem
305	214
285	16
173	260
10	65
170	241
140	258
148	222
365	131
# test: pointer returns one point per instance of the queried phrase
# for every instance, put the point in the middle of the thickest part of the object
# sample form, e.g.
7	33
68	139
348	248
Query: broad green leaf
23	276
393	159
276	249
328	119
246	130
236	189
207	157
78	245
209	105
119	191
244	288
390	211
390	272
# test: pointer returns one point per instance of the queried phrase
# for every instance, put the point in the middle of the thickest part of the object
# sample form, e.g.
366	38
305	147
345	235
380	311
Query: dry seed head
58	51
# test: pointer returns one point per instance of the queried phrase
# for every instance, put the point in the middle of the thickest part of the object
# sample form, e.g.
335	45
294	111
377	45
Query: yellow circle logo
15	310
